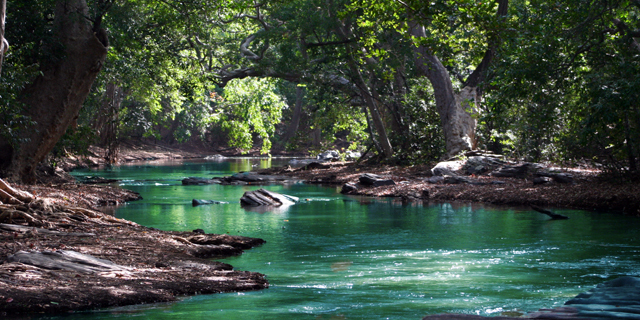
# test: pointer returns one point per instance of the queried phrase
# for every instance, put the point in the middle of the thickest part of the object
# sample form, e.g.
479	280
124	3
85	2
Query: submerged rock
257	179
200	202
199	181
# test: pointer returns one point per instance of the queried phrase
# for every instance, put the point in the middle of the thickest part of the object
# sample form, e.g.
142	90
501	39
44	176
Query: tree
53	99
4	44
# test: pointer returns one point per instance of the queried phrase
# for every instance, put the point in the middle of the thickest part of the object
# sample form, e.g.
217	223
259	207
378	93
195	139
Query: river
340	257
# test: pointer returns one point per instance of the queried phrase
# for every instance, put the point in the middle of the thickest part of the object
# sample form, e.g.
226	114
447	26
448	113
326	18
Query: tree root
43	212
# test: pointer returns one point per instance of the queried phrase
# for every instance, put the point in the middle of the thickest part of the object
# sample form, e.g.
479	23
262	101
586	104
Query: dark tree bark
4	45
55	97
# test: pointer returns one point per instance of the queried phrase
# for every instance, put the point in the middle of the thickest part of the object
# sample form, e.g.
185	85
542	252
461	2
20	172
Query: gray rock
352	155
348	188
481	164
455	179
215	157
375	180
329	155
447	168
615	299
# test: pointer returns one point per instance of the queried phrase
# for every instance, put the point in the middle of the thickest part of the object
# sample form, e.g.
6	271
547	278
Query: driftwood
66	260
375	180
19	228
554	216
262	197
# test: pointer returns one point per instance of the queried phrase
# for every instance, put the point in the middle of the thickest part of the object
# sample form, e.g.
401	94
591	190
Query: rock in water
618	298
200	202
199	181
262	197
348	188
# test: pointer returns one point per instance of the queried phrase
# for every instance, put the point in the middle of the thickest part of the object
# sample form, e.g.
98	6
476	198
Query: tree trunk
458	124
4	45
457	110
295	118
55	97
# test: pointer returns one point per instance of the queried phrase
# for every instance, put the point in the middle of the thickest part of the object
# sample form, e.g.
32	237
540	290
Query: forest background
409	81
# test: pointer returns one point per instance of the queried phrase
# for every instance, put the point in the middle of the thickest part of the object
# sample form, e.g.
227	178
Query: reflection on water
337	257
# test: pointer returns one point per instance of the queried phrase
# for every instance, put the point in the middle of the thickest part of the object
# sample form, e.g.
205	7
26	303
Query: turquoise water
338	257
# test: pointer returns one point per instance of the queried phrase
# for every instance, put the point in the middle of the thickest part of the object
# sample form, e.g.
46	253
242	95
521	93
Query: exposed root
17	206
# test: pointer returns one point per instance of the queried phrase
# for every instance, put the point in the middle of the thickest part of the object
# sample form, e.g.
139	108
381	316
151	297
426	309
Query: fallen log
554	216
66	260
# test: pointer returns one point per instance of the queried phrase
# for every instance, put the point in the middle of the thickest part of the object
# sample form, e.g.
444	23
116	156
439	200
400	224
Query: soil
166	265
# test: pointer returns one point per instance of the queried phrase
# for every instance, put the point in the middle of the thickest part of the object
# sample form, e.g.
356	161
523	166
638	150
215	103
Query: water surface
338	257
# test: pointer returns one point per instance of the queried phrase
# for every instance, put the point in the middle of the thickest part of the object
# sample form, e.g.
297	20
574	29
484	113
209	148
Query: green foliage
422	140
75	141
568	89
249	107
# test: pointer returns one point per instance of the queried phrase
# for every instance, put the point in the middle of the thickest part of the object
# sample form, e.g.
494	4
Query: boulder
375	180
481	164
348	188
447	168
330	155
615	299
521	171
262	197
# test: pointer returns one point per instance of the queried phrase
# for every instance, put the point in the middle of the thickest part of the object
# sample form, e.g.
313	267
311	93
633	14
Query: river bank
57	254
588	191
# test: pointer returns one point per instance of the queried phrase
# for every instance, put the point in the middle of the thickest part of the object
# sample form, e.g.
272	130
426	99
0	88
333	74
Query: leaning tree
53	99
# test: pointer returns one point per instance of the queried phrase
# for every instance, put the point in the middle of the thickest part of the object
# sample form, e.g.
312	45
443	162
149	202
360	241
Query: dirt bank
589	191
151	265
